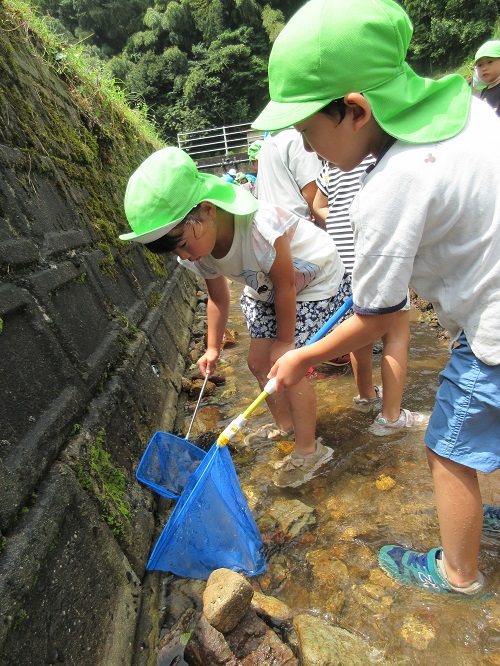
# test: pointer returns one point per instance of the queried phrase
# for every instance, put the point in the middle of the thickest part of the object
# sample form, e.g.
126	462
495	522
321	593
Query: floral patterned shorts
311	315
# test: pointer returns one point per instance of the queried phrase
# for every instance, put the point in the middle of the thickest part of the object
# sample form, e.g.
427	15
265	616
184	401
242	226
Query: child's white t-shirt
285	168
429	216
318	266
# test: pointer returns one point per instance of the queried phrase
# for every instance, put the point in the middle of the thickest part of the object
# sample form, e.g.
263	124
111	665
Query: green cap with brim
254	149
359	46
490	49
167	186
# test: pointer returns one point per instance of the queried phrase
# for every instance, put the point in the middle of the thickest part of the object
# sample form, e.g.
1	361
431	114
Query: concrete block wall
93	341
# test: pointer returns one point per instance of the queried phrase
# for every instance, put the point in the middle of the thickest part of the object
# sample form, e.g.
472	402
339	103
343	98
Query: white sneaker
381	426
365	405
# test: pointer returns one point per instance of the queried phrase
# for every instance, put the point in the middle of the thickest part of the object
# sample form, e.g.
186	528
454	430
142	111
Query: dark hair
335	109
170	241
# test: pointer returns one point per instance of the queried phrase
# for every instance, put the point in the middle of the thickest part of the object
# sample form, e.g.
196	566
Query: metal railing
216	145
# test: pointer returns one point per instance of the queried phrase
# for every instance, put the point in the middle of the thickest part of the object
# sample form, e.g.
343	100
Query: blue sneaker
424	570
491	519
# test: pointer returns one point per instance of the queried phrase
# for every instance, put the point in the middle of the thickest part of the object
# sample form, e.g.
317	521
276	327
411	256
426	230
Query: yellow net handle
236	425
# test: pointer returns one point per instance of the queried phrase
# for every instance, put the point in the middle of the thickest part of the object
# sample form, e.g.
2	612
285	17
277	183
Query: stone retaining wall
93	341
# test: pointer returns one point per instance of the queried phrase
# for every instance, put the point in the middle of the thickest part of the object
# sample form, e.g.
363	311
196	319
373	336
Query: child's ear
208	209
360	107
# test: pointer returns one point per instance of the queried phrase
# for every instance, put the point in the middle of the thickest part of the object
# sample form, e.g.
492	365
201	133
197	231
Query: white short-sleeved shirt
429	216
318	266
285	167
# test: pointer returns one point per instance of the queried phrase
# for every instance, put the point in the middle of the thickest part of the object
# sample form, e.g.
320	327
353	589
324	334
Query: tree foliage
202	63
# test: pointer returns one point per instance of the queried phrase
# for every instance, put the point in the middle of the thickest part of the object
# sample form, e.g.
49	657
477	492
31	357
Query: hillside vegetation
203	63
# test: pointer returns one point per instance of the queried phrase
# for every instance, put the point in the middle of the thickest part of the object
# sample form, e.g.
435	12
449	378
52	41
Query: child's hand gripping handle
236	425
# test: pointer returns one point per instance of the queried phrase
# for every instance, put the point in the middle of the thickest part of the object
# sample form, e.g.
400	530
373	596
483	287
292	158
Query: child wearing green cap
293	275
427	215
487	63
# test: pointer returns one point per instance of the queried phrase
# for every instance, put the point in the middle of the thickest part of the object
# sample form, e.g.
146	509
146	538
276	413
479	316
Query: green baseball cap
490	49
332	47
254	149
167	186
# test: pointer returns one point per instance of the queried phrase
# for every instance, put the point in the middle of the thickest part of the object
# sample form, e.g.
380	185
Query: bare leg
295	408
260	364
362	367
302	401
394	365
460	513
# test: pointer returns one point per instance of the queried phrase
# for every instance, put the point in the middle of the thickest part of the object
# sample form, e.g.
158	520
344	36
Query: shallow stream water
376	490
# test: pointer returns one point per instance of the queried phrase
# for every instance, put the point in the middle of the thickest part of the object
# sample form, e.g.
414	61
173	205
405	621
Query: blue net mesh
211	526
167	464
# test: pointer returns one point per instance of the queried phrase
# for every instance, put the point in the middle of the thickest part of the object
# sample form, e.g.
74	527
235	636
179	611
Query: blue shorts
310	317
465	423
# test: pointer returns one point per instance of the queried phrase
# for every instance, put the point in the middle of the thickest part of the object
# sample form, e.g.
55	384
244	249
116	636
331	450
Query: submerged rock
324	645
272	608
285	519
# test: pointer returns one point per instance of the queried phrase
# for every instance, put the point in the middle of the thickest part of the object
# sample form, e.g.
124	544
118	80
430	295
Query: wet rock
372	597
226	599
197	385
378	577
417	633
208	646
173	643
204	440
285	519
295	594
250	643
385	482
272	608
285	446
328	571
216	378
324	645
255	644
332	605
183	594
206	420
229	339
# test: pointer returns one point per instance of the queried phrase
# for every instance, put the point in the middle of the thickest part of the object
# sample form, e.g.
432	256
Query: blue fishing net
211	526
167	464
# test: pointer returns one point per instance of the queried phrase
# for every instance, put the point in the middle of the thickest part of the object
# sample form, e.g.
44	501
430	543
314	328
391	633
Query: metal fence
219	146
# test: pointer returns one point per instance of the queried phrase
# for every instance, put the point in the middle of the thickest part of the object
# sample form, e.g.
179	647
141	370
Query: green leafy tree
110	23
448	31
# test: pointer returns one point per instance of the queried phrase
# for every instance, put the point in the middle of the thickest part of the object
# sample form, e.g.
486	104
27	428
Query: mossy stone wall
93	340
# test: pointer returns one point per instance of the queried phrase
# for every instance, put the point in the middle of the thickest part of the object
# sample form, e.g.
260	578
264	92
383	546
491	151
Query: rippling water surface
376	491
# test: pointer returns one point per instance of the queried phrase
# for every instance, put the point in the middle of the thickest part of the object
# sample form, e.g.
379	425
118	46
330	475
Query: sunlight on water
376	490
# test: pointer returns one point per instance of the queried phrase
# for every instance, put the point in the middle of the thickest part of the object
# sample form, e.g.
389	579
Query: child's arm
217	316
352	334
282	275
320	209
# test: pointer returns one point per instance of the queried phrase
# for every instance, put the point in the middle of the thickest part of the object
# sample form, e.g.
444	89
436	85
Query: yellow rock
385	482
285	446
416	633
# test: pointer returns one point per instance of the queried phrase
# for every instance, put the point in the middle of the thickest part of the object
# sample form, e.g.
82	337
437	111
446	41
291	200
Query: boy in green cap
487	63
427	215
293	275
